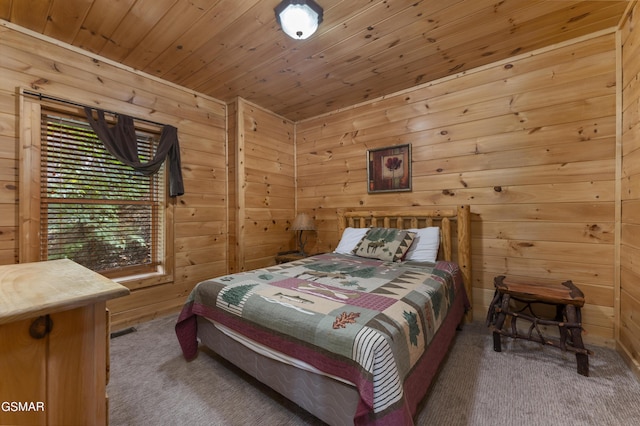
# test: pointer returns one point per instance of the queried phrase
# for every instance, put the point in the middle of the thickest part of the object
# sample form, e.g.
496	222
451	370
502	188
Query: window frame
30	202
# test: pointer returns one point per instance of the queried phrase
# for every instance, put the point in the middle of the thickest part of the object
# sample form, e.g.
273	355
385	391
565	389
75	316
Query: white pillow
425	245
350	237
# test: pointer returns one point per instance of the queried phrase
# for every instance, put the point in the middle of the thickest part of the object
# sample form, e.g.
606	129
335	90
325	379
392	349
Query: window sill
136	282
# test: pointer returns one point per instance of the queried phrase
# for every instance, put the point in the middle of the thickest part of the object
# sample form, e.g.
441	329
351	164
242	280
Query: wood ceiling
364	49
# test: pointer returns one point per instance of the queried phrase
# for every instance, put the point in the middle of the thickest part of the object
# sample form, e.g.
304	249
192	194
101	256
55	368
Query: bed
351	338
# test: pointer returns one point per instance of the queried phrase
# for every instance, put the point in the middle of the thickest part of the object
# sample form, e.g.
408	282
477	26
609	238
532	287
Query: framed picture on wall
389	169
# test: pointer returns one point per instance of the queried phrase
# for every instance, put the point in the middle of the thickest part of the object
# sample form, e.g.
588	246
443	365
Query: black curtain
120	140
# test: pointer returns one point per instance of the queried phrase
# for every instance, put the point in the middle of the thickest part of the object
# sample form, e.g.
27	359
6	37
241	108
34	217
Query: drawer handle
40	327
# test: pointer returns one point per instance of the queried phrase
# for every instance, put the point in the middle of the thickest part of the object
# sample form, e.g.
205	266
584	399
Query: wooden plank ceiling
364	48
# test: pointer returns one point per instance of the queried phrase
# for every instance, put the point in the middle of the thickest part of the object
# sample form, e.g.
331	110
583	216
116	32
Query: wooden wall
265	185
529	143
200	227
232	182
629	316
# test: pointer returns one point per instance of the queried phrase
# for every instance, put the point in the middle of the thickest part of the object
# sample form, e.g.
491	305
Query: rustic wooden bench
567	299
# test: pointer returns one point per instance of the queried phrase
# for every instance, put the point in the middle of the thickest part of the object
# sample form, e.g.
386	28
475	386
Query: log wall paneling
529	143
628	323
265	185
200	216
232	170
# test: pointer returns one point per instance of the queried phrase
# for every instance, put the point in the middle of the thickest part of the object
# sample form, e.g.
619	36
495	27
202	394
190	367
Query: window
90	207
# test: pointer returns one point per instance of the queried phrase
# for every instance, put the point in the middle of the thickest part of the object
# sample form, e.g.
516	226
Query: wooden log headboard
416	218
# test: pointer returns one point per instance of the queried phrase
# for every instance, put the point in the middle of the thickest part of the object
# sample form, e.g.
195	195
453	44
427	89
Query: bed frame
333	401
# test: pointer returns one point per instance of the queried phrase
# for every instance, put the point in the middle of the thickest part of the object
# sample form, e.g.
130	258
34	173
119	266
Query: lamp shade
299	18
303	222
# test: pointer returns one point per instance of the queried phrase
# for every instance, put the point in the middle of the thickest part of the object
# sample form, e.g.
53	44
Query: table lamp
302	222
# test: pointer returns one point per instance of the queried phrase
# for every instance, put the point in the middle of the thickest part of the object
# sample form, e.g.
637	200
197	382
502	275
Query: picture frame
389	169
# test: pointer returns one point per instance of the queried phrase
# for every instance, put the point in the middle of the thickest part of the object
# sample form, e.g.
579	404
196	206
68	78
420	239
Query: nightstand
290	257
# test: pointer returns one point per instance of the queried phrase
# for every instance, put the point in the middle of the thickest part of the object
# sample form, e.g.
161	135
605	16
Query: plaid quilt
364	320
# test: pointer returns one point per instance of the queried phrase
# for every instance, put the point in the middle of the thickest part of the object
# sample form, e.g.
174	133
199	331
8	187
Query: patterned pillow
388	244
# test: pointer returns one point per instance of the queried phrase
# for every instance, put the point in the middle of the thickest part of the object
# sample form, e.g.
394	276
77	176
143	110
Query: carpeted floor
526	384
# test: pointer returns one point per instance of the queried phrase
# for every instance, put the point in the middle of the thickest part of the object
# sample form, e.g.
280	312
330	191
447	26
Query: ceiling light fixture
299	18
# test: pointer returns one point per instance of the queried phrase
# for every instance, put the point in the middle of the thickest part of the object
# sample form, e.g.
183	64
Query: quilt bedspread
366	321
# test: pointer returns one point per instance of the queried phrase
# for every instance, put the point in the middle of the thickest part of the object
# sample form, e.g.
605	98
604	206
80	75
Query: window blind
94	209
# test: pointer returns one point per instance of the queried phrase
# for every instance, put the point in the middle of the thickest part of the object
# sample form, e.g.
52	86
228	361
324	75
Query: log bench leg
583	364
582	359
497	345
500	318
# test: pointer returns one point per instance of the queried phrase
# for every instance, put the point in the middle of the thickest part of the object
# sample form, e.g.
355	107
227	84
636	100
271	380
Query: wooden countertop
29	290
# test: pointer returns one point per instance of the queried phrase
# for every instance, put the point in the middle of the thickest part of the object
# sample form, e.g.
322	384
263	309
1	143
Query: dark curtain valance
120	140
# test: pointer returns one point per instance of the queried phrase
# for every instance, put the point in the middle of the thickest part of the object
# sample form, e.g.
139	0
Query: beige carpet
526	384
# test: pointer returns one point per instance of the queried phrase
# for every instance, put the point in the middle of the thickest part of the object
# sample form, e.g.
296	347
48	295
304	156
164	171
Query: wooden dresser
54	343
